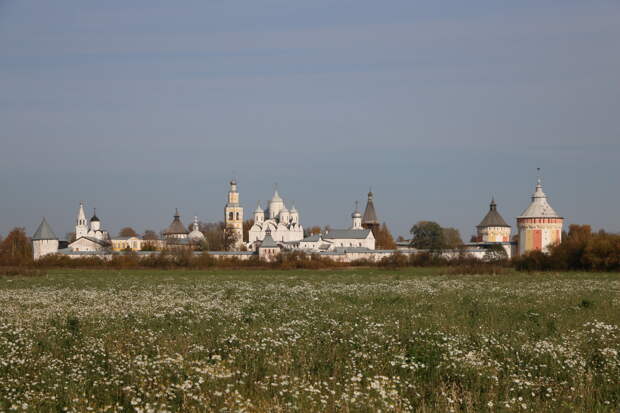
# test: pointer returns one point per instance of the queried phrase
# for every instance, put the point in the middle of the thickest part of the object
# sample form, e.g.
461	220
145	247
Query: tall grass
362	340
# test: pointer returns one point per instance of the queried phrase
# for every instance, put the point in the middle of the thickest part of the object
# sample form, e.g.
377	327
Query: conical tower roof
81	216
539	207
370	215
493	218
44	232
176	226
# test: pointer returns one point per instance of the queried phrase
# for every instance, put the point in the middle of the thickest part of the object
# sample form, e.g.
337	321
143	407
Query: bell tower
81	229
233	215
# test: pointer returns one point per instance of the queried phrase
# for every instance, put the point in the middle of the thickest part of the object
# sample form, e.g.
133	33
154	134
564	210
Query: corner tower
233	215
539	225
44	241
493	228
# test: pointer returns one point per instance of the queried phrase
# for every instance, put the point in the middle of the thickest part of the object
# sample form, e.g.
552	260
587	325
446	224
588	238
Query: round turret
540	226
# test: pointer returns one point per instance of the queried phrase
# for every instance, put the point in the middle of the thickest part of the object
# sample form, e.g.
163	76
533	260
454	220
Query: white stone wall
43	247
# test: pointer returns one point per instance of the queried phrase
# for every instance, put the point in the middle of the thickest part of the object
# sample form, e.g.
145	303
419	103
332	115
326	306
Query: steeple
370	215
81	227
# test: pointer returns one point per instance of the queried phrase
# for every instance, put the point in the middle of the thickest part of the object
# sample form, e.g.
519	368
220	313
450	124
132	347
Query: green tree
451	238
427	235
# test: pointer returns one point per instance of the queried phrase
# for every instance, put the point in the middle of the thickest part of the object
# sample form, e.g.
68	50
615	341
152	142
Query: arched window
237	216
230	216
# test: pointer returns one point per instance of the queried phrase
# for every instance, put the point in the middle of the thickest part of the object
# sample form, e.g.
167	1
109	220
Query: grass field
338	341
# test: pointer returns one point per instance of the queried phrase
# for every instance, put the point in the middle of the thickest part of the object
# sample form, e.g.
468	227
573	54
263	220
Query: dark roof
370	215
268	242
44	232
95	218
493	218
176	226
346	234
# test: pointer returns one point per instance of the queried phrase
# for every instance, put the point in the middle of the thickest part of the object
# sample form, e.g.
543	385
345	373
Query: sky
141	107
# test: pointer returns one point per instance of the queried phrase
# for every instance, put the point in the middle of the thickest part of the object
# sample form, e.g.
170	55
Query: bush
478	268
21	271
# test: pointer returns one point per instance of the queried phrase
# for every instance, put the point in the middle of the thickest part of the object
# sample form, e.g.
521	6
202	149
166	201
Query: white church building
356	238
283	224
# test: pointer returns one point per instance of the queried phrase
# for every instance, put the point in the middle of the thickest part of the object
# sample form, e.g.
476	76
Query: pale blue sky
143	106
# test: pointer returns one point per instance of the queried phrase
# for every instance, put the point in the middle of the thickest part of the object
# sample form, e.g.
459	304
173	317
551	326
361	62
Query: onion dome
176	226
44	232
539	207
356	213
95	218
196	235
258	208
276	197
294	210
493	218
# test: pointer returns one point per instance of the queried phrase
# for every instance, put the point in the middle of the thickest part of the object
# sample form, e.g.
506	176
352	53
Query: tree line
581	249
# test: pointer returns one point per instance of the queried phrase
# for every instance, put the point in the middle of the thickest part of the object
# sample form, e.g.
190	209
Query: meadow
359	340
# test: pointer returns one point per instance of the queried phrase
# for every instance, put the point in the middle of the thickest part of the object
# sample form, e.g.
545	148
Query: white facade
94	231
44	241
88	244
81	227
283	224
540	227
41	248
355	237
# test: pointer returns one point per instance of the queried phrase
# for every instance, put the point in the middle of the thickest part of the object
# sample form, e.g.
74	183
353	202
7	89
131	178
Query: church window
237	215
230	216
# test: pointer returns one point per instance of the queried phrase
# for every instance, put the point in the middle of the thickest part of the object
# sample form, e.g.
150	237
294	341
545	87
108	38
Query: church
283	224
91	237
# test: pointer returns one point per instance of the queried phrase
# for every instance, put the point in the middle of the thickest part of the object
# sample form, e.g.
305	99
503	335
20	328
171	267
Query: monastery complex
278	229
